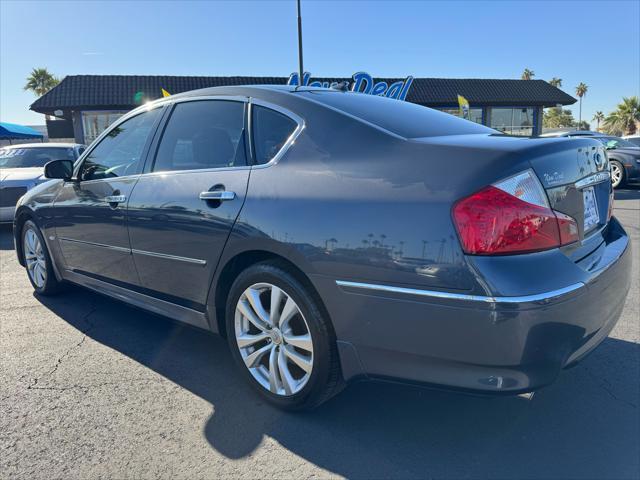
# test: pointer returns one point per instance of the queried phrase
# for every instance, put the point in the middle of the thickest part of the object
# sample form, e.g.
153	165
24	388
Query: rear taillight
511	216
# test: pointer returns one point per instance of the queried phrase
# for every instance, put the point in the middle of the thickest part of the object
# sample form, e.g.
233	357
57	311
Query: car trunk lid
577	181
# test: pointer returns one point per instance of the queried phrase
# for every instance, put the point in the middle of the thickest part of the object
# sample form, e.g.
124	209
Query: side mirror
59	169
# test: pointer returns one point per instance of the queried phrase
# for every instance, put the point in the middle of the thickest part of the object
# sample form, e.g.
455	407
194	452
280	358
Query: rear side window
271	130
203	134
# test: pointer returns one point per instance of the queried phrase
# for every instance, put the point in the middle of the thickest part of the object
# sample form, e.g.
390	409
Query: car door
181	212
90	210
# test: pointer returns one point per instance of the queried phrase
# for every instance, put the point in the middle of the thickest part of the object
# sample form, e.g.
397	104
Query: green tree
528	74
598	118
581	91
558	118
625	118
40	81
556	82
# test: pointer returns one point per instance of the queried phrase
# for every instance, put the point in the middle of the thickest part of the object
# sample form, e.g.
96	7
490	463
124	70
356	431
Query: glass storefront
513	121
475	114
94	123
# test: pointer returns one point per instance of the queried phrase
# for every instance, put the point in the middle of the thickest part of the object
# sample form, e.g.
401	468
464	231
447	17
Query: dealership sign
361	82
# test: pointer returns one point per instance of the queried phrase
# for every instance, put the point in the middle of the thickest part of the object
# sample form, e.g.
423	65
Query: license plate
591	216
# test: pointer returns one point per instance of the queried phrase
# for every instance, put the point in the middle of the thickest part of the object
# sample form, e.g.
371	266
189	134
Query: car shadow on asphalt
629	192
585	425
6	237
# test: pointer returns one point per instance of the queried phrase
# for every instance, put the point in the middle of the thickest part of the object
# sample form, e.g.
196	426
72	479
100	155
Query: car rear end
579	261
552	268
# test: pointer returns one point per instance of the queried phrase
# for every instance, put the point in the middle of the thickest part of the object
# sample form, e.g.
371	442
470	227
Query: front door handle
217	195
115	198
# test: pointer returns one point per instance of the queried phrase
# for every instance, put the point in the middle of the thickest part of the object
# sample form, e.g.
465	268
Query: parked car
22	167
323	233
624	155
624	159
635	139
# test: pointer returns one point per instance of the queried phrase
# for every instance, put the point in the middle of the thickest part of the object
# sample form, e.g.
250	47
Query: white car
22	168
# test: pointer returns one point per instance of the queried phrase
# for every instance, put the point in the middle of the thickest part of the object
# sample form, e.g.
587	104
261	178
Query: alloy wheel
274	339
616	174
35	258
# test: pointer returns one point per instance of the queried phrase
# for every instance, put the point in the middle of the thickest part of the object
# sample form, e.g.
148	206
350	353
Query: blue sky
596	42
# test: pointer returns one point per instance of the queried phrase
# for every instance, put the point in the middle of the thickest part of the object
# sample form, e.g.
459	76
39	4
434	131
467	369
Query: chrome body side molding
195	261
540	297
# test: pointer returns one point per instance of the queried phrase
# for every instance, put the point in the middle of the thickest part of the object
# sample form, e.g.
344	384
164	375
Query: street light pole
300	65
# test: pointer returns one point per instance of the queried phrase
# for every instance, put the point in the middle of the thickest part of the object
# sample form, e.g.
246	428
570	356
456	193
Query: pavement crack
607	387
90	325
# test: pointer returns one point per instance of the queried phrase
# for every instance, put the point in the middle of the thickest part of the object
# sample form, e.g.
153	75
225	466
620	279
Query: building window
475	114
94	123
513	121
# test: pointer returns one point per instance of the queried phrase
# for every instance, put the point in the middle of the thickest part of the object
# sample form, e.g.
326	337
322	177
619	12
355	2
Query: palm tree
528	74
598	117
556	82
40	81
581	91
625	118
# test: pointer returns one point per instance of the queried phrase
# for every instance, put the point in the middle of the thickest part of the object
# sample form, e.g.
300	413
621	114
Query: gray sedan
333	236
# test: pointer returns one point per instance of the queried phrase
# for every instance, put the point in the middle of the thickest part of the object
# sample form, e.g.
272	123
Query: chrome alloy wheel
274	339
616	174
35	258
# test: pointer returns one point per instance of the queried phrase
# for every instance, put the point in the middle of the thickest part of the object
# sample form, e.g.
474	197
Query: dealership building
84	105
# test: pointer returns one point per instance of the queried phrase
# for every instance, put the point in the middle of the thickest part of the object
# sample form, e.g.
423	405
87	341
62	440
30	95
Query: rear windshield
33	157
402	118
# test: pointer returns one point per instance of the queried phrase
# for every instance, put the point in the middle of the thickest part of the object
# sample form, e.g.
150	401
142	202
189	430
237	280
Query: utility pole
300	64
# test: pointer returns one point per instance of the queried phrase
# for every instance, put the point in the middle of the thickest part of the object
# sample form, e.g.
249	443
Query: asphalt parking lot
92	388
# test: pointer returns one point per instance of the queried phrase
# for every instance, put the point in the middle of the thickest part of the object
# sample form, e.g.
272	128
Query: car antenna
300	64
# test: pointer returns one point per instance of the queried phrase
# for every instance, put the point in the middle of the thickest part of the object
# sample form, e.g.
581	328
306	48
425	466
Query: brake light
511	216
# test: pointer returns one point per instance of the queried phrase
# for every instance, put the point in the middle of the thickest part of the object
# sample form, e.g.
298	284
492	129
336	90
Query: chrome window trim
539	297
130	251
288	143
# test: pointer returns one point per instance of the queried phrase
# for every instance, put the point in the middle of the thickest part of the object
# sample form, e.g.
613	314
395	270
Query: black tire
623	174
325	379
50	285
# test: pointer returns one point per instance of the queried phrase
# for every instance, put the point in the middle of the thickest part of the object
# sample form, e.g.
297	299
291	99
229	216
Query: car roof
44	145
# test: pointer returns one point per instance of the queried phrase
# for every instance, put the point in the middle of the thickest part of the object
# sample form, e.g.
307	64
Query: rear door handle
219	195
115	198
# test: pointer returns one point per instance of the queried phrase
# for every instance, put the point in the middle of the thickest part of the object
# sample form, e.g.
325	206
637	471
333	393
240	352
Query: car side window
119	153
203	134
271	130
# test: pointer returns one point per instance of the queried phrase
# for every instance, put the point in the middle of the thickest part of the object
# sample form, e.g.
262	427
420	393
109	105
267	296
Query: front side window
271	130
203	134
119	153
614	142
33	157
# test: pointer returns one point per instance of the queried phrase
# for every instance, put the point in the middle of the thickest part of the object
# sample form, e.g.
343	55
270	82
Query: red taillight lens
499	220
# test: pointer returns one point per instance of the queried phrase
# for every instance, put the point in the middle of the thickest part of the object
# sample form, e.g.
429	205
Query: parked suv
322	233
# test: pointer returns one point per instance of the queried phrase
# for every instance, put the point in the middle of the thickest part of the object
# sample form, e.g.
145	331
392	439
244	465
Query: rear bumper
501	344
